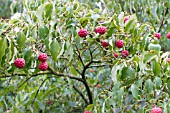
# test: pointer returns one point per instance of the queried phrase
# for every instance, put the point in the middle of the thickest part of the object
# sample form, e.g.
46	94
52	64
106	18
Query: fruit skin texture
82	33
87	112
157	35
101	30
42	57
115	55
168	35
125	19
105	44
43	66
119	43
19	62
125	53
156	110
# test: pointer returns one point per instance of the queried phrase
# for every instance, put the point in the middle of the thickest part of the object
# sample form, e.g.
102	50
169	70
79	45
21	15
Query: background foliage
77	65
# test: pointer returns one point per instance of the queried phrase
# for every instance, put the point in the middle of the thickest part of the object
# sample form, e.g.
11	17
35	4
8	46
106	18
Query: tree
98	61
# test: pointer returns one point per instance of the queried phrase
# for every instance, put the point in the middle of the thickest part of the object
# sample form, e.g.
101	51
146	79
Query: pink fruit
125	53
115	55
82	33
87	112
156	110
98	86
168	60
92	70
42	57
43	66
49	102
157	35
125	19
119	43
105	44
168	35
19	62
101	30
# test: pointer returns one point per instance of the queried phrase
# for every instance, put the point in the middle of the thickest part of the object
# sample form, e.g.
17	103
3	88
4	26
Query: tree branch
80	93
64	75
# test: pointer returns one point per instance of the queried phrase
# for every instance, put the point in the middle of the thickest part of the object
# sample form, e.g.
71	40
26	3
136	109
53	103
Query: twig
80	93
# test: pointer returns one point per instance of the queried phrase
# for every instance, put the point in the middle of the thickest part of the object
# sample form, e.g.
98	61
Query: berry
168	35
115	55
125	53
125	19
49	102
87	112
42	57
168	60
98	86
157	35
82	33
156	110
119	43
92	70
43	66
101	30
105	44
19	63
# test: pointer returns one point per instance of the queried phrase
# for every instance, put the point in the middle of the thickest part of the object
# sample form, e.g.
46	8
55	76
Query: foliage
82	74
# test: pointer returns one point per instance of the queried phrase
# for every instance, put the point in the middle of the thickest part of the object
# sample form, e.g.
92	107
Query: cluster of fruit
20	62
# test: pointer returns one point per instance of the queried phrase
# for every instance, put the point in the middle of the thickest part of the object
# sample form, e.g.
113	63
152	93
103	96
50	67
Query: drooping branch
64	75
80	93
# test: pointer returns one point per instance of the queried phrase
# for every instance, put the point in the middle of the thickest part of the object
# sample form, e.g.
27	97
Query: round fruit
125	53
157	35
105	44
87	112
125	19
168	60
115	55
43	66
42	57
82	33
119	43
19	62
156	110
168	35
101	30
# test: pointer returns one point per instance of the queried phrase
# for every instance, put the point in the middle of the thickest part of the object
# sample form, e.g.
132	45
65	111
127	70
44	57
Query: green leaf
156	68
43	31
158	82
21	38
3	43
149	86
54	49
155	47
134	89
89	107
128	72
130	25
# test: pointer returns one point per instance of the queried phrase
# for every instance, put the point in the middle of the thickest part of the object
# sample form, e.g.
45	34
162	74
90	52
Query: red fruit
115	55
98	86
43	66
119	43
125	19
105	44
125	53
168	60
42	57
156	110
101	30
49	102
19	63
157	35
92	70
87	112
168	35
82	33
